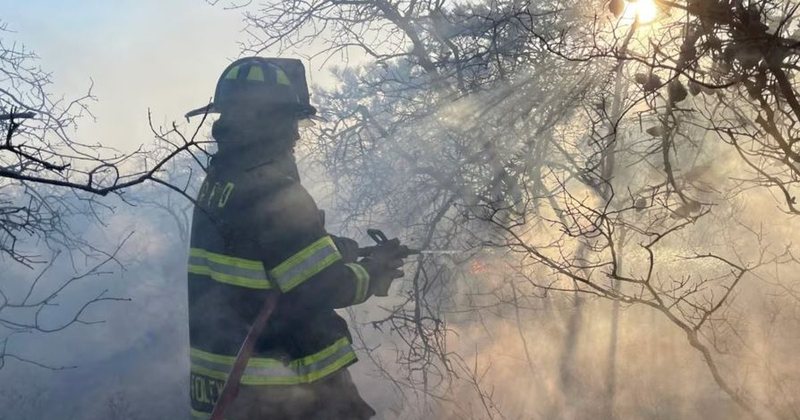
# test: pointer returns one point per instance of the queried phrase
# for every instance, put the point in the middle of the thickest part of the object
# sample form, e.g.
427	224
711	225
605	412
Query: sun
646	10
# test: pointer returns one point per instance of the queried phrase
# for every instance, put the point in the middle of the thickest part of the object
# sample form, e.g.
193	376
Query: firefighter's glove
383	266
347	247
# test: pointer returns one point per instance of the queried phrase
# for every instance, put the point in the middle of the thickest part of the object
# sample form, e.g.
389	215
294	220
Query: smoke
505	354
506	337
505	346
133	363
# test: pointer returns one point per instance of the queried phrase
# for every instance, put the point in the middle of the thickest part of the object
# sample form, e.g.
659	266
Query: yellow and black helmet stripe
256	73
261	82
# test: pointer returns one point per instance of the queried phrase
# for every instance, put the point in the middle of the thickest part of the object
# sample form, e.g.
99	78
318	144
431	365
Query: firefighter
255	231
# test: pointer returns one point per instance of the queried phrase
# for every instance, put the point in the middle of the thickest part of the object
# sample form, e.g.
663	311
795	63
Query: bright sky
163	55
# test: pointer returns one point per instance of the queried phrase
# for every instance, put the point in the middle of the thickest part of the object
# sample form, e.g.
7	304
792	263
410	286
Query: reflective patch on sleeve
227	269
362	282
305	264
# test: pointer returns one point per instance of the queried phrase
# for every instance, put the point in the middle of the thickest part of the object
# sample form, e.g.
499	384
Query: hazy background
162	56
149	54
166	56
140	55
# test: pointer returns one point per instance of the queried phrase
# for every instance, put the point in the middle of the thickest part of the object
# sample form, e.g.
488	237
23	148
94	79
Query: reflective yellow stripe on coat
200	415
362	282
251	273
264	371
227	269
305	264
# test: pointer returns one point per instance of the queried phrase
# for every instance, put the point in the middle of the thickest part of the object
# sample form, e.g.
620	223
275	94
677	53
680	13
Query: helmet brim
203	110
307	112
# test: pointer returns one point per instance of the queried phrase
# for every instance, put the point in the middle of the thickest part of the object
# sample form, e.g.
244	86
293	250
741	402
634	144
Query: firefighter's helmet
262	83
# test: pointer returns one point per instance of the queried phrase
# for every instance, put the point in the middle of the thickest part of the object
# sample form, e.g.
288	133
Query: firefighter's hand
383	266
347	247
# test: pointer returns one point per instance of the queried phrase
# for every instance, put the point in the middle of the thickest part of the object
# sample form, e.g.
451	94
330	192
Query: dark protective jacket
255	228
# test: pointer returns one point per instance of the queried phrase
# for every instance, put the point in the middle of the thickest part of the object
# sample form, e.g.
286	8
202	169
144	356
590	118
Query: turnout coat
256	229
